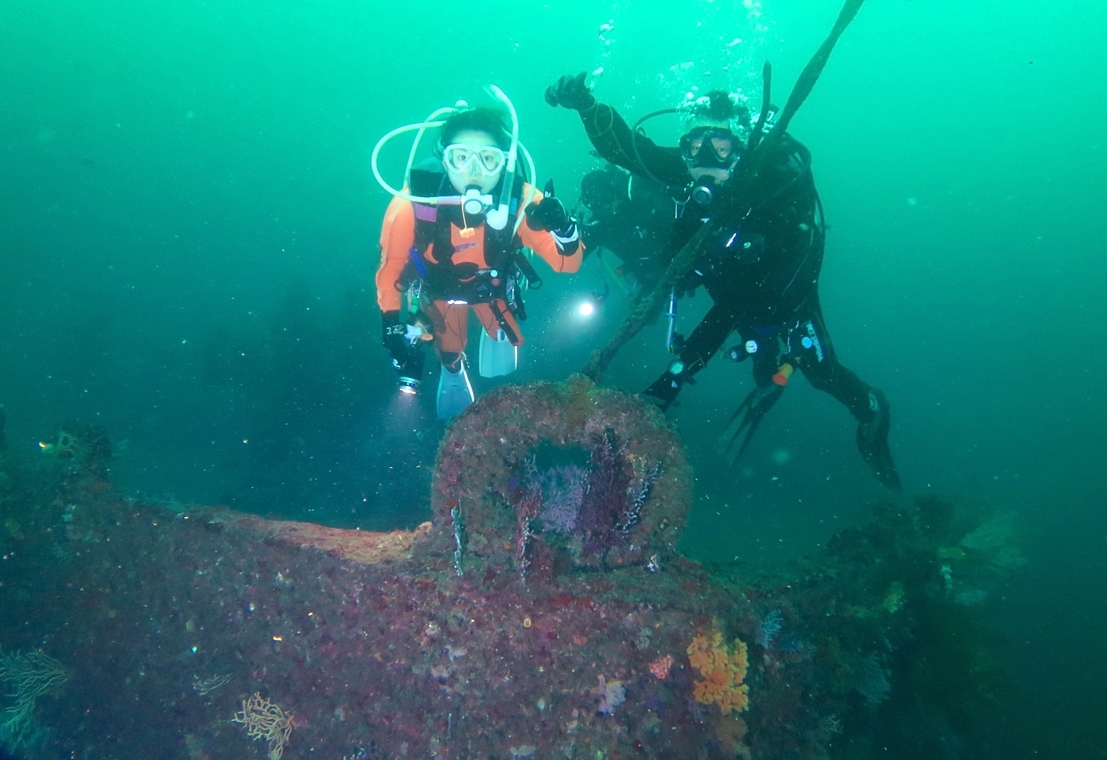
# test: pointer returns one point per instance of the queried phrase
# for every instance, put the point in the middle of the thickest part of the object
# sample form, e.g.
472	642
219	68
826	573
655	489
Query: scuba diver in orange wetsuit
452	243
761	267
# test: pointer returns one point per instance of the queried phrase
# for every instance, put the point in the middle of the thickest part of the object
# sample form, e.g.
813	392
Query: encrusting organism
723	669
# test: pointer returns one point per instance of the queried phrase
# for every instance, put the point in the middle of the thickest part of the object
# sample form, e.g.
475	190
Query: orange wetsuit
450	333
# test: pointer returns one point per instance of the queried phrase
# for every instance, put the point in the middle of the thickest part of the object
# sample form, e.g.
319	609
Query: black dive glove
571	92
551	215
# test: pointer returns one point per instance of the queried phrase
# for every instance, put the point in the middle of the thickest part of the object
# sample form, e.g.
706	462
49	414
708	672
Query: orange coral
723	669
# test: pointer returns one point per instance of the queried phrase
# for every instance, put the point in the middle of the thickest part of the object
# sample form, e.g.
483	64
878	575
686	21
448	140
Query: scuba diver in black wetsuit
761	269
631	217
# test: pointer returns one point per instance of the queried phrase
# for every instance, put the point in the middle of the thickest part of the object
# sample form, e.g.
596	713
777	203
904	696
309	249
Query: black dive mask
710	148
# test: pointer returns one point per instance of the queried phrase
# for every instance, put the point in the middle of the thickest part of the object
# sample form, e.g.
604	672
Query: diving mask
709	148
474	160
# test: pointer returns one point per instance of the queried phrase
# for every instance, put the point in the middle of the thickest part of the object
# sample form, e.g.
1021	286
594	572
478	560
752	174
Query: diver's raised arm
612	136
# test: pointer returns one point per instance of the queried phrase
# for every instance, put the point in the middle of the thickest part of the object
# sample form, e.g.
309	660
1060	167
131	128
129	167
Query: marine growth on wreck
544	612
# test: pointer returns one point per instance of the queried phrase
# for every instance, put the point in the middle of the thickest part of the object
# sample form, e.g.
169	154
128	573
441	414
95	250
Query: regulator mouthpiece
474	203
703	194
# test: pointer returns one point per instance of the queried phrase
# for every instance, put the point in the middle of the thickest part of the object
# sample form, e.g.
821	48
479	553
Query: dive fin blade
498	356
455	392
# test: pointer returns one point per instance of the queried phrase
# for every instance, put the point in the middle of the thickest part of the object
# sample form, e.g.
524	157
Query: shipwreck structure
544	612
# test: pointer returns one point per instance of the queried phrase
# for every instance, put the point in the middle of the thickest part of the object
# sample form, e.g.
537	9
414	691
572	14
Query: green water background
188	235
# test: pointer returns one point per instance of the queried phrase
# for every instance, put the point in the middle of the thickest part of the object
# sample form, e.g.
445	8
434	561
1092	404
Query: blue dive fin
454	392
497	355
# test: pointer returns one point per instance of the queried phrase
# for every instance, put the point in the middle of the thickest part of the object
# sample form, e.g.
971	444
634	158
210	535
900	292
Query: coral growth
872	681
730	733
81	448
265	720
559	491
771	625
611	505
984	554
618	494
723	669
387	649
597	506
26	677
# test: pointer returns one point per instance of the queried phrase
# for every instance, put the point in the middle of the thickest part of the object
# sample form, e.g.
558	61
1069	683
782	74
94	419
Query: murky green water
188	235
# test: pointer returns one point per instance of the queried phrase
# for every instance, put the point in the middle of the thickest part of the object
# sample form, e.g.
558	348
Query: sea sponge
660	667
723	669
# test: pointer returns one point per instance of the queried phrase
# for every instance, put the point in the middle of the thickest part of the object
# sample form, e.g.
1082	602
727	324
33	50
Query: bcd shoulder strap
433	226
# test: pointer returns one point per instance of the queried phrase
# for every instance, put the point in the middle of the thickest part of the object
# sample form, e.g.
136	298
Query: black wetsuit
761	271
632	219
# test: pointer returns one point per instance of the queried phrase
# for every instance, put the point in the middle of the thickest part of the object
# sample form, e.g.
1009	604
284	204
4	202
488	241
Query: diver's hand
571	92
551	215
396	338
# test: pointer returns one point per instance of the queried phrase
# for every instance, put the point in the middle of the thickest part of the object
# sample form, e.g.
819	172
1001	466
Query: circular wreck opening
546	478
